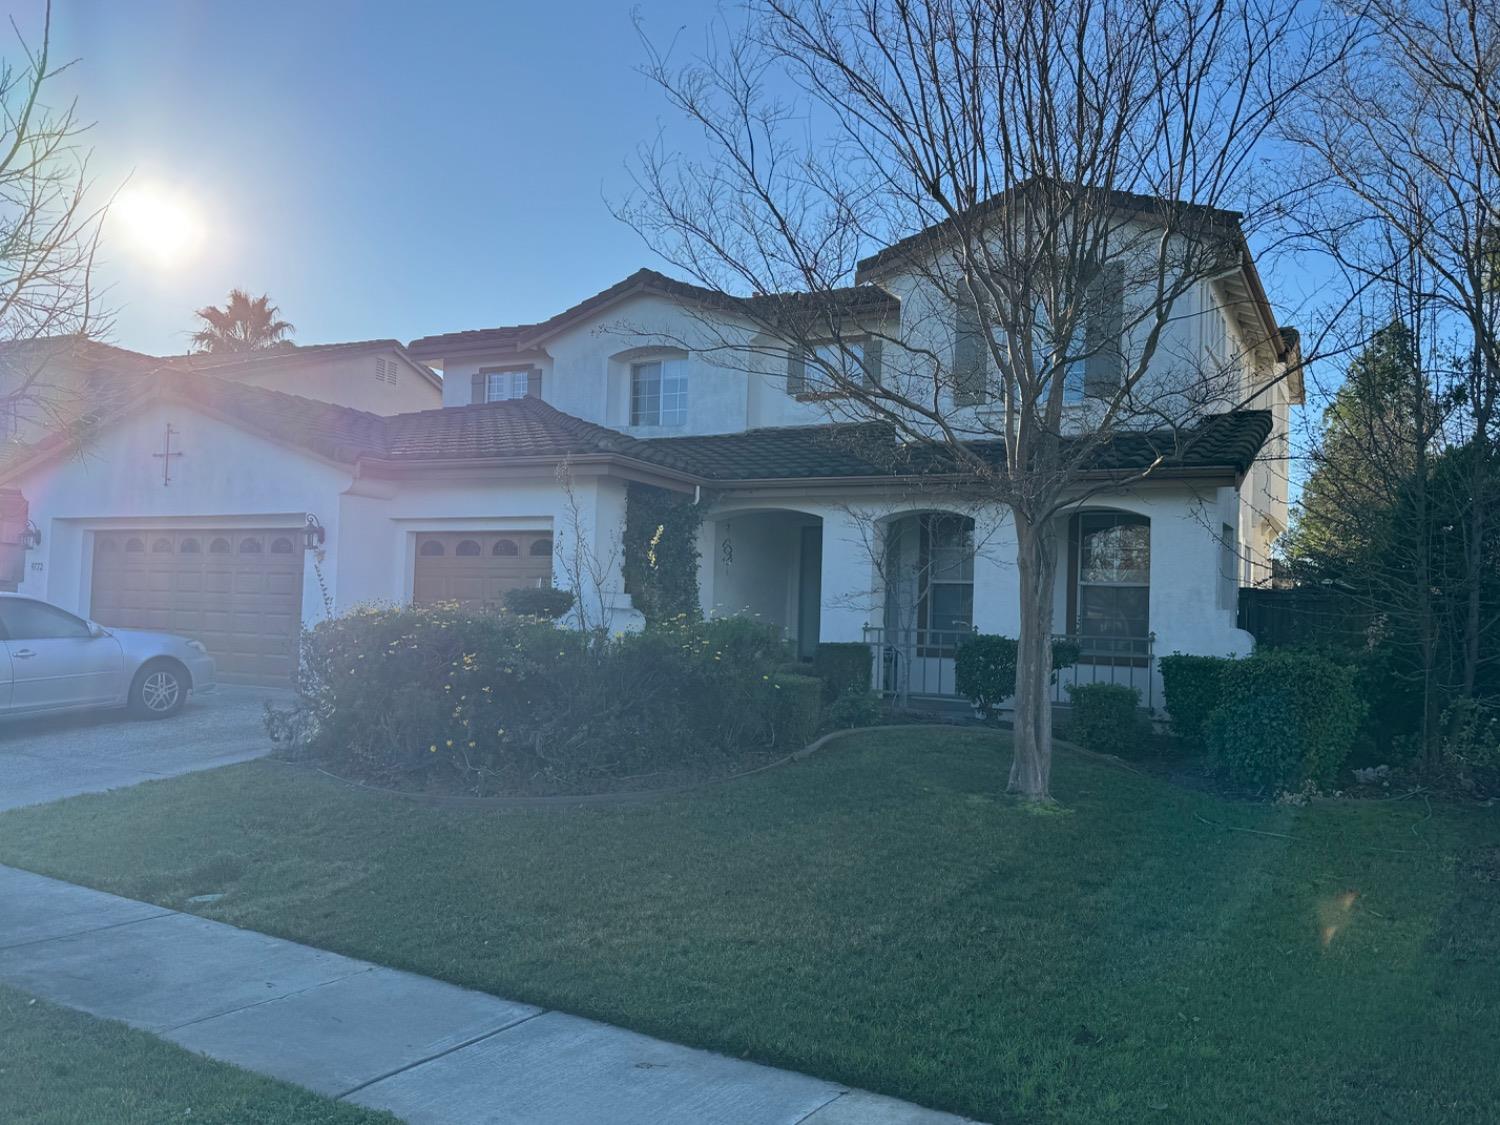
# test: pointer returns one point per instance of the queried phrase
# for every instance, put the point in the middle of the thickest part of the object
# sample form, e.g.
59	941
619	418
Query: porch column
848	578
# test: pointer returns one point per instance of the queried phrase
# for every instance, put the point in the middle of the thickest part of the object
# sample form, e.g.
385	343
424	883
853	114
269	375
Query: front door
810	592
56	660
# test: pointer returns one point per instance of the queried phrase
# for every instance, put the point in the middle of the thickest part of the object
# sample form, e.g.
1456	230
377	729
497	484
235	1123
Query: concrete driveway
47	759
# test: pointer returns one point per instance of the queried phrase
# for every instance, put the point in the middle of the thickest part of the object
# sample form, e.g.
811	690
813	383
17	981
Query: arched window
161	547
188	547
466	547
431	548
541	547
506	548
250	546
1109	555
135	546
219	546
108	544
281	545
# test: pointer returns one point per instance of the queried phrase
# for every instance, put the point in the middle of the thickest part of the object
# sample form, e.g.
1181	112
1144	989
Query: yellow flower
433	748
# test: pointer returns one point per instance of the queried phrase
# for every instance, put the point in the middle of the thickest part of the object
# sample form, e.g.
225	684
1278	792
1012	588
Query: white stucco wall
351	381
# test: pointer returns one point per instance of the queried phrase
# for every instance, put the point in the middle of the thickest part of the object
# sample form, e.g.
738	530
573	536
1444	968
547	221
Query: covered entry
475	569
237	591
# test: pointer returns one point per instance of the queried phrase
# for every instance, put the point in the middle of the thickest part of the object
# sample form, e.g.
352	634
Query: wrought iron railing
919	663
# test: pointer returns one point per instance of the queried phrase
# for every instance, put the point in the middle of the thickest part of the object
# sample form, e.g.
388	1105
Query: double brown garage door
476	569
237	591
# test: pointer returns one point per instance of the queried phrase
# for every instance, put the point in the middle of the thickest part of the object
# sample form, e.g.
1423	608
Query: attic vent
385	370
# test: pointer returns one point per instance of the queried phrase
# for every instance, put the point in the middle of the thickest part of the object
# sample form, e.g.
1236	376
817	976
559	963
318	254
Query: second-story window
658	393
502	385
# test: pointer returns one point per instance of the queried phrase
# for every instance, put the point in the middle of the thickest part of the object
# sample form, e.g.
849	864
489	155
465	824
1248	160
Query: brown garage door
239	592
476	569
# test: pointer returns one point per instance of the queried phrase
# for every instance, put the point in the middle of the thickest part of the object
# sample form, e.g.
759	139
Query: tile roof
766	307
530	429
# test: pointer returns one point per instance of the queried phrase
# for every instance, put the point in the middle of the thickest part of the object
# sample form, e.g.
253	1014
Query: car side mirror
96	630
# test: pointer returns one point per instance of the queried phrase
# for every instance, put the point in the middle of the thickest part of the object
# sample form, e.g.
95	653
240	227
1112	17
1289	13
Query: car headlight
197	646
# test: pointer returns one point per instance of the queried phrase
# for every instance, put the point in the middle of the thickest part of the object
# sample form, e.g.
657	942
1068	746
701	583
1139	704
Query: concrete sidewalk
425	1050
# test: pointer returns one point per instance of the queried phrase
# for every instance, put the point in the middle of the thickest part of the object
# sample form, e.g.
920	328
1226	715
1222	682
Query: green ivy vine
661	551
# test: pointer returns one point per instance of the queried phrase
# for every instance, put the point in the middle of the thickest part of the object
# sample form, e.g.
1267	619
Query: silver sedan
54	661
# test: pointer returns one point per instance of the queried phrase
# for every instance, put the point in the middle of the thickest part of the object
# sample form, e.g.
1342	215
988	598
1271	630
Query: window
1112	557
500	386
135	546
219	547
1092	361
658	393
832	366
161	547
281	546
432	548
188	547
945	582
25	620
1072	356
1229	552
506	548
250	546
541	547
467	548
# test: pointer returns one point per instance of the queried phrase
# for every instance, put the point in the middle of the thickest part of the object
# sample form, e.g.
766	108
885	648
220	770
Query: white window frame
666	406
506	384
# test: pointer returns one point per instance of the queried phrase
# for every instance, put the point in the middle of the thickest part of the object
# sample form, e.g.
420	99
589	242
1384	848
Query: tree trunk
1036	567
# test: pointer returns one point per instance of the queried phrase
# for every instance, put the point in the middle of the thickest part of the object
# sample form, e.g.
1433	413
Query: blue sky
380	169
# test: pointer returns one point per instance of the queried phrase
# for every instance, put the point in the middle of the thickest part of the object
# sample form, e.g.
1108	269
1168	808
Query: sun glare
159	224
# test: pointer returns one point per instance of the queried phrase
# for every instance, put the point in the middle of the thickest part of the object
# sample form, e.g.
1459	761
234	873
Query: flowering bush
501	703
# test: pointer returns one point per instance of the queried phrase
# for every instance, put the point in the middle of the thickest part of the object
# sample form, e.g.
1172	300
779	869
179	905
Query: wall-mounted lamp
313	535
32	536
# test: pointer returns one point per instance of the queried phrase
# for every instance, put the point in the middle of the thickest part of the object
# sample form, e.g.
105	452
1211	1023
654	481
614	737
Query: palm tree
244	324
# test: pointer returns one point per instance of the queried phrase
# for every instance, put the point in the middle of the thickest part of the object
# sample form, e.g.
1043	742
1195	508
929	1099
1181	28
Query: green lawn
59	1067
881	916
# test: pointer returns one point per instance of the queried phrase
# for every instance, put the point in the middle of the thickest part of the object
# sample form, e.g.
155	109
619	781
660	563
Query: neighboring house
269	510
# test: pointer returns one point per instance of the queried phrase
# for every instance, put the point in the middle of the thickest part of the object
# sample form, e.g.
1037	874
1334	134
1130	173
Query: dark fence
1303	615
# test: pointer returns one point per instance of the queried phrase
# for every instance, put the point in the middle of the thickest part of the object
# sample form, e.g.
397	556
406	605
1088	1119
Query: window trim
528	370
925	582
662	363
1074	600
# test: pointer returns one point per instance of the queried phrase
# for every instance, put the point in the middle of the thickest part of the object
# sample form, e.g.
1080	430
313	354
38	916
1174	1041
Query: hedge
1107	720
1286	718
1192	686
984	668
798	711
844	667
546	602
495	703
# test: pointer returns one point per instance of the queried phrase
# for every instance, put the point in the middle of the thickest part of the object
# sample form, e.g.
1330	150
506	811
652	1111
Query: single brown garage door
239	592
475	570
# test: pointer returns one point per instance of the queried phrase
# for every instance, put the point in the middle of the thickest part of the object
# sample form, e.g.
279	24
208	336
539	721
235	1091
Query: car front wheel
159	690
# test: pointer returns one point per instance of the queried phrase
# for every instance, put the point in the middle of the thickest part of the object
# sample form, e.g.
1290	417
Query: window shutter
534	383
796	372
1104	369
968	357
873	353
477	387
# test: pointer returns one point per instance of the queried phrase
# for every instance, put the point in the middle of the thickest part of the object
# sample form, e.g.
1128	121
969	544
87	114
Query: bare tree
1403	145
1060	172
48	234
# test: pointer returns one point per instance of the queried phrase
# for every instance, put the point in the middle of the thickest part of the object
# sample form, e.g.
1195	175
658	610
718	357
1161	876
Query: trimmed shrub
1107	719
843	666
798	710
546	602
1287	718
1192	686
984	668
501	703
855	709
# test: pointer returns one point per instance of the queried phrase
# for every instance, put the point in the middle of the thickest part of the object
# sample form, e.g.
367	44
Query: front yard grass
60	1067
882	916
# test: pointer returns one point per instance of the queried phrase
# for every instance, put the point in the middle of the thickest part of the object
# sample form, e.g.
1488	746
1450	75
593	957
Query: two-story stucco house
271	509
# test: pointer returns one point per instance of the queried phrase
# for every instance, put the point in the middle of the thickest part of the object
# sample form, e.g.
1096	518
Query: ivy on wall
661	551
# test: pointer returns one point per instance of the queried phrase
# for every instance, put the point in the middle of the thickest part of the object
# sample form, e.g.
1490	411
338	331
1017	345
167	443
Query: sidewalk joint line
92	930
843	1093
440	1054
368	967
